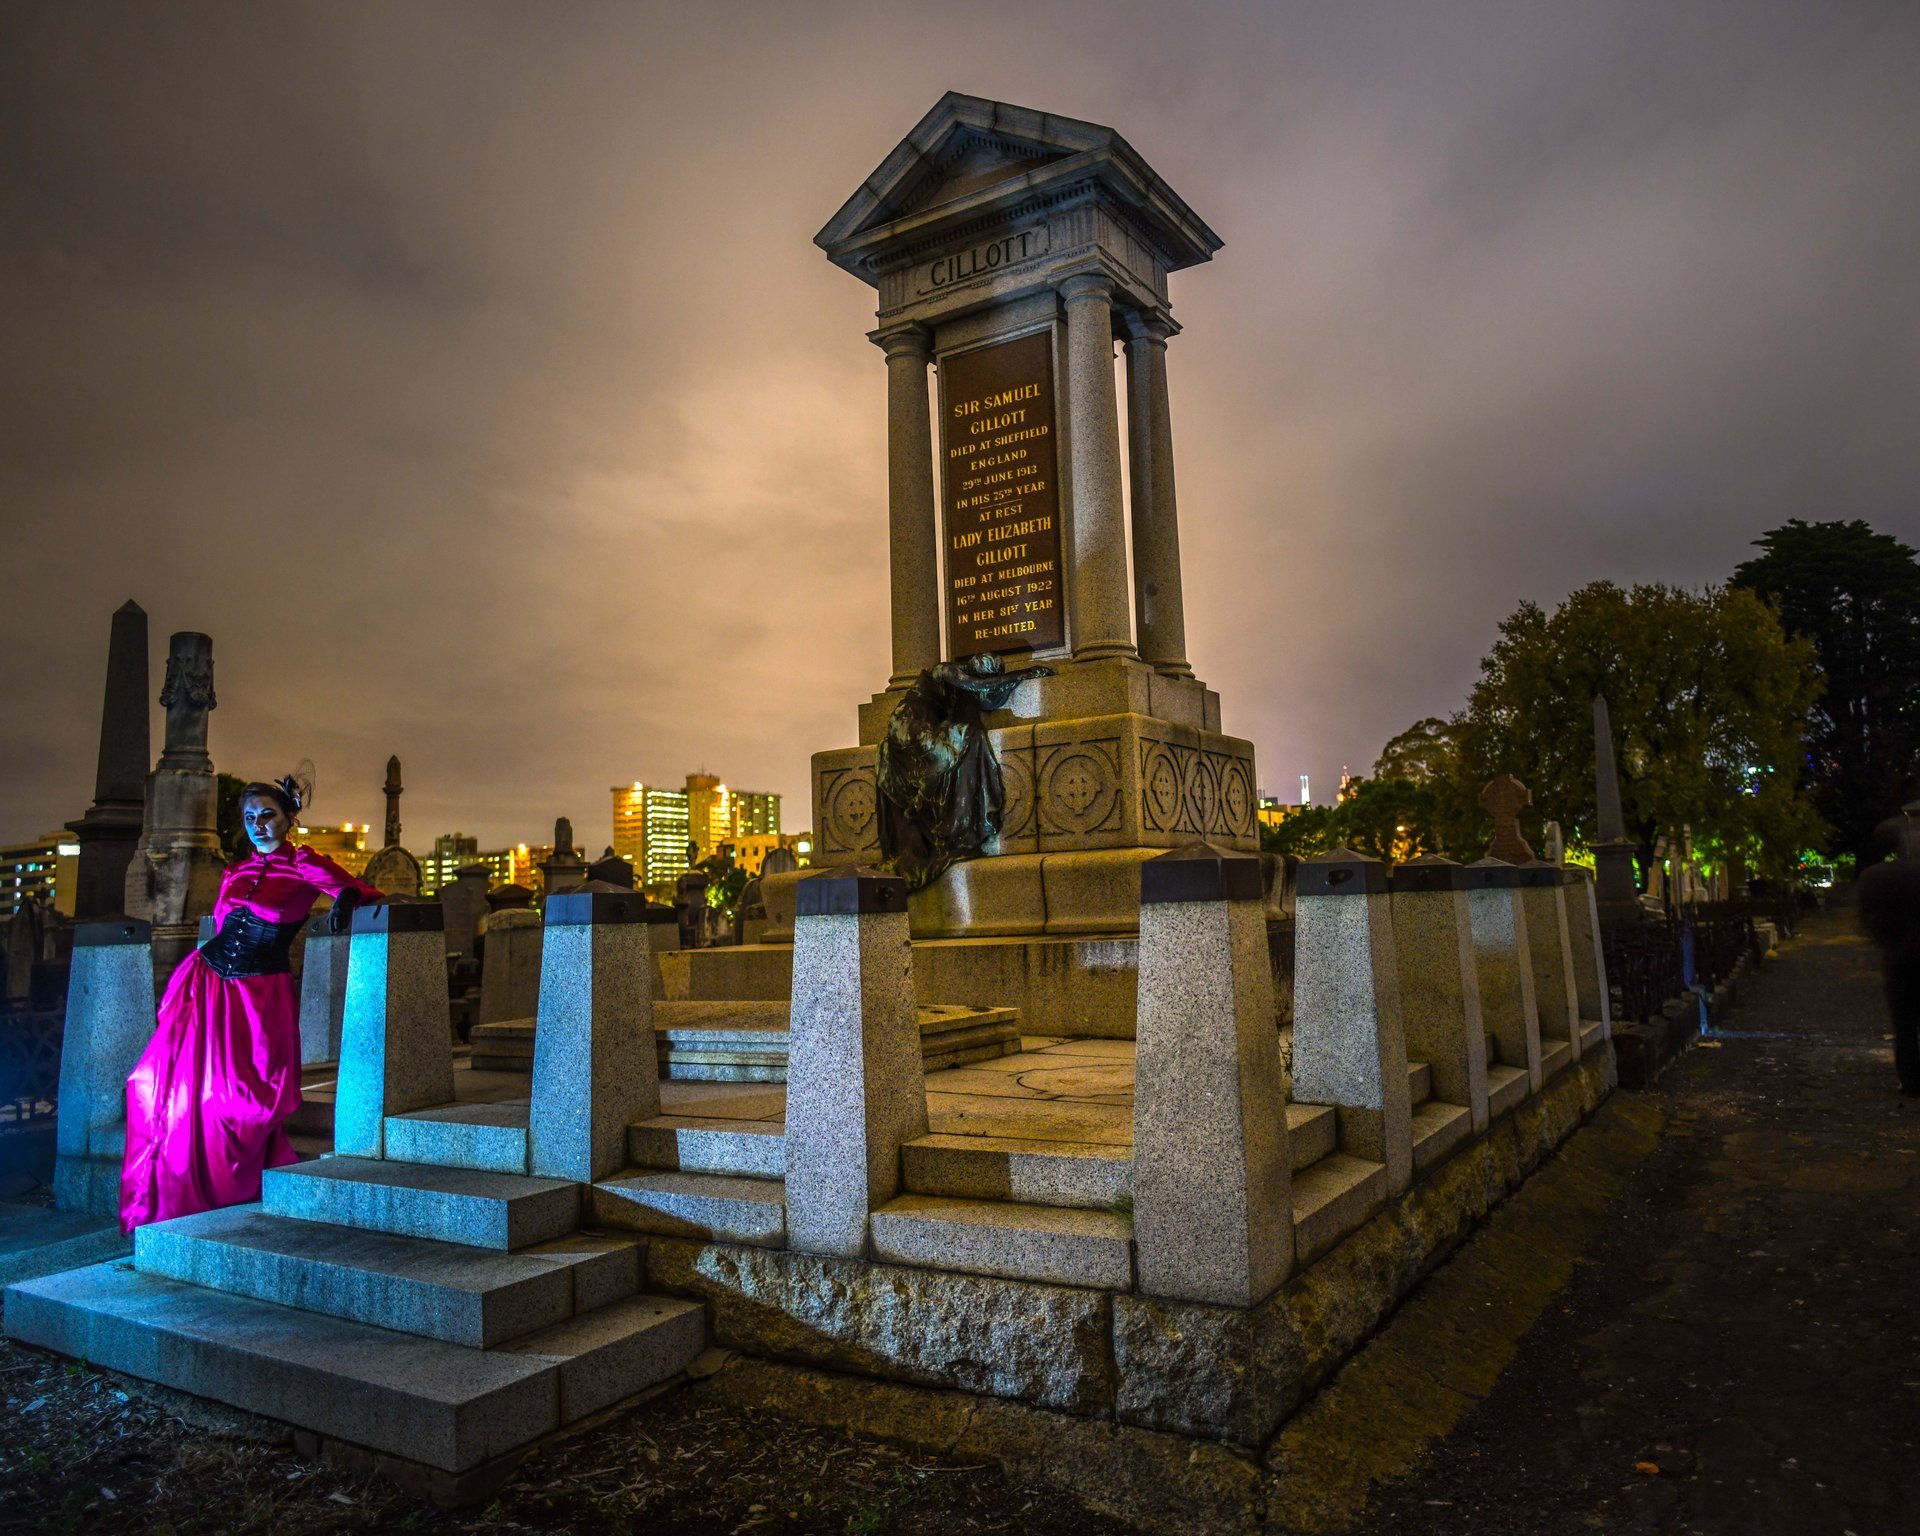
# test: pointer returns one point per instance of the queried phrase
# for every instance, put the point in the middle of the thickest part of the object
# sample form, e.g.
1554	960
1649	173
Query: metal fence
29	1060
1652	962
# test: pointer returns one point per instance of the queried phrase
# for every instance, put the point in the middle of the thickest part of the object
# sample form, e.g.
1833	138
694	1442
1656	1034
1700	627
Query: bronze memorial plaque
1002	498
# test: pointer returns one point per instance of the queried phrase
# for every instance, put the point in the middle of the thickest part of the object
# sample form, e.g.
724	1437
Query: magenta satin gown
207	1105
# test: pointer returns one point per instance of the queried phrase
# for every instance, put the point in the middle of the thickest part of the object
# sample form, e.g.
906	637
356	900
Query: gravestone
464	901
1504	798
393	871
564	869
510	968
110	1019
110	830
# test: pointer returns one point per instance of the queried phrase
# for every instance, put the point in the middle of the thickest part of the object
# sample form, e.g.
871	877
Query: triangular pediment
970	161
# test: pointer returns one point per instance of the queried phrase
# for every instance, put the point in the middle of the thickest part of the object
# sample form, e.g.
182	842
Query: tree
1708	698
1427	752
1856	595
1383	818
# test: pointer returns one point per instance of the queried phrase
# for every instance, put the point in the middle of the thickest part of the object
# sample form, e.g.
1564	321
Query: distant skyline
468	372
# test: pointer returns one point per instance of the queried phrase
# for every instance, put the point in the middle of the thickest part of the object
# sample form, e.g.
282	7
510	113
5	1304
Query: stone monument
564	869
110	830
395	871
174	877
1615	891
1504	798
1011	250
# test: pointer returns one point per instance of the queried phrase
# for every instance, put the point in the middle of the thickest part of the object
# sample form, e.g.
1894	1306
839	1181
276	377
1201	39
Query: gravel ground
91	1452
1740	1352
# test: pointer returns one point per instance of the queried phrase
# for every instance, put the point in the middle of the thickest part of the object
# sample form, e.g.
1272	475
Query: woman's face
267	825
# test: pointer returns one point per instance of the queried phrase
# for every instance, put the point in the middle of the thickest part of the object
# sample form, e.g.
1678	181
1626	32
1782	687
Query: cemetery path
1737	1349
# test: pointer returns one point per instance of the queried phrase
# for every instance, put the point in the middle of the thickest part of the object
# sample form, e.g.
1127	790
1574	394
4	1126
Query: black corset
249	945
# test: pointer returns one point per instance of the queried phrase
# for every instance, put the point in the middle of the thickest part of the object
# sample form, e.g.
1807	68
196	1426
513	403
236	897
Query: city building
452	852
45	869
345	845
751	850
652	824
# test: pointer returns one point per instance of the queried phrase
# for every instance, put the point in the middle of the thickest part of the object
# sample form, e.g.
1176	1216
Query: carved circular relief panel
1161	788
1016	821
1080	791
1236	798
851	810
1203	793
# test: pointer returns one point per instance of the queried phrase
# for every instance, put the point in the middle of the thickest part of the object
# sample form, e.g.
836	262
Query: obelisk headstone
110	830
395	871
175	878
1615	892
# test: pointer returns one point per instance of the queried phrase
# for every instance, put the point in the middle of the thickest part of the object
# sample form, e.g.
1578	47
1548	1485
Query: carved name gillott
978	260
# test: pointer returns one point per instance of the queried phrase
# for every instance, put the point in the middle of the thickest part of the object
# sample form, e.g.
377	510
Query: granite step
455	1205
1069	1174
427	1401
1437	1130
1419	1082
705	1144
712	1206
1332	1198
1592	1033
459	1295
1011	1240
1506	1089
1313	1132
1555	1057
490	1138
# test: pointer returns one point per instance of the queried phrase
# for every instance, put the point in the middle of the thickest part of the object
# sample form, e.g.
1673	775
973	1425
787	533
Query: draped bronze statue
941	794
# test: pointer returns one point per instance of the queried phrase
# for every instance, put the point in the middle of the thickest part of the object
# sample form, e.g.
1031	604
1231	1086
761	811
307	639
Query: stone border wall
1220	1373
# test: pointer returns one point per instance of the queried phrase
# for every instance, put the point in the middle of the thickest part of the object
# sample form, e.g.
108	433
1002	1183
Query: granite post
110	1019
1440	983
1349	1044
1616	894
1589	953
595	1071
1504	961
1212	1178
855	1090
109	831
396	1039
510	969
175	878
323	990
1543	899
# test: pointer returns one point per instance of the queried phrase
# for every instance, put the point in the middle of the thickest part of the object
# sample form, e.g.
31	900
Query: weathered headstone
564	869
595	1070
110	830
512	940
1349	1041
464	900
1504	798
1440	981
396	1040
855	1089
110	1019
1212	1206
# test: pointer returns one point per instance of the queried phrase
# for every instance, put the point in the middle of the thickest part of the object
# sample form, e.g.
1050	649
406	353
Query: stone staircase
1022	1208
442	1315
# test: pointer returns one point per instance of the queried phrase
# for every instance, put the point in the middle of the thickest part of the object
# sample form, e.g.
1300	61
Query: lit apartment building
45	869
652	825
345	845
452	852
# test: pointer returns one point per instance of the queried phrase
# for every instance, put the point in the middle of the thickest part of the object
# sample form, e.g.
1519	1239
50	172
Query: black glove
340	919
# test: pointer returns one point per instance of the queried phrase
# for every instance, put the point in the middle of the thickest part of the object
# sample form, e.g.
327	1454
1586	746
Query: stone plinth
1504	960
323	991
855	1091
1349	1044
1212	1213
1543	898
1440	983
1589	953
594	1070
110	1019
396	1039
510	965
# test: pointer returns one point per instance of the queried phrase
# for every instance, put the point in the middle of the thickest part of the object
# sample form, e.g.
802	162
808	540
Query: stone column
1617	896
1160	622
396	1038
855	1089
1544	901
1212	1178
110	1019
1098	588
110	829
1505	964
913	535
594	1067
1440	991
323	991
1349	1041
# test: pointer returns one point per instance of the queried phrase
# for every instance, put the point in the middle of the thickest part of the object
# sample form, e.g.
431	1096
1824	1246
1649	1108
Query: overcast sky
469	373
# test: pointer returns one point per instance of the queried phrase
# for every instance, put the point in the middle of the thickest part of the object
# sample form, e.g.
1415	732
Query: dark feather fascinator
298	786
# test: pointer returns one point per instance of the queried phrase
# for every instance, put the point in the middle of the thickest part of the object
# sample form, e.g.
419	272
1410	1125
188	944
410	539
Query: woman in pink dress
207	1105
